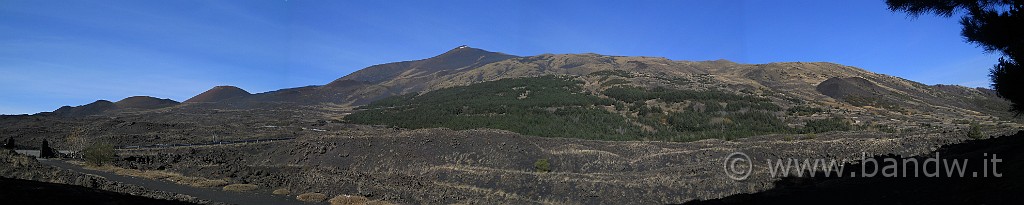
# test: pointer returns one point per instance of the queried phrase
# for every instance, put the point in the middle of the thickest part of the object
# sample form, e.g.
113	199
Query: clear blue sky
55	53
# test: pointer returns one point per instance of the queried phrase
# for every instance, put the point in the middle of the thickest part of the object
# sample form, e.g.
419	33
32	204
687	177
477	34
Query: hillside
93	108
559	107
144	102
100	107
643	98
218	93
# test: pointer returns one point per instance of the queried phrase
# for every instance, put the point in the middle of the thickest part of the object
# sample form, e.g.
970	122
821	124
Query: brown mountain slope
93	108
134	103
144	102
899	103
462	57
219	93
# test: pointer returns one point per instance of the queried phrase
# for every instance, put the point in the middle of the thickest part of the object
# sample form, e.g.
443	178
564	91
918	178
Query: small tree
995	25
975	131
98	154
542	165
76	143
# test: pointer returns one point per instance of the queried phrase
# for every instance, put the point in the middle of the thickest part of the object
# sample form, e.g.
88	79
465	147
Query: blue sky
55	53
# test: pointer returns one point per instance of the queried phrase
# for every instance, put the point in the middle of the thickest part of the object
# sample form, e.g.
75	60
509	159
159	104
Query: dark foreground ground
18	191
910	190
212	194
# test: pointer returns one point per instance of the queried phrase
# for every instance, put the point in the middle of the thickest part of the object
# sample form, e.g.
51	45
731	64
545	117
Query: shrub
803	110
98	154
975	131
542	165
197	181
311	197
240	187
826	125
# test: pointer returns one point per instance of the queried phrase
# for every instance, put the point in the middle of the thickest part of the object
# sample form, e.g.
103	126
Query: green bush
975	131
826	125
542	165
803	110
98	154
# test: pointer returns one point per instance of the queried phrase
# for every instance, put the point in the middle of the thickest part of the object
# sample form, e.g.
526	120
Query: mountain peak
219	93
466	50
460	57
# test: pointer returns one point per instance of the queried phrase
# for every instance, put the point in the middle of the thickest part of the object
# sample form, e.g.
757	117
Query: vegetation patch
827	125
974	131
312	197
162	175
241	187
803	110
98	154
348	200
542	165
554	107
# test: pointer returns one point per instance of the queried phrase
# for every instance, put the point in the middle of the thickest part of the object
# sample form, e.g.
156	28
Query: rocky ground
20	191
433	166
17	168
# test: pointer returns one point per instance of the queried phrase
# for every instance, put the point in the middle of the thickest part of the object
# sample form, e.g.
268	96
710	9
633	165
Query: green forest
557	106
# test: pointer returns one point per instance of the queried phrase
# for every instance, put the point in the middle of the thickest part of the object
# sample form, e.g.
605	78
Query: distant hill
219	93
144	102
93	108
102	106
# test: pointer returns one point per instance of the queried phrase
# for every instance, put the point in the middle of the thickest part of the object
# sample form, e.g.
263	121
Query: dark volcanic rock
843	88
9	144
21	167
19	191
219	93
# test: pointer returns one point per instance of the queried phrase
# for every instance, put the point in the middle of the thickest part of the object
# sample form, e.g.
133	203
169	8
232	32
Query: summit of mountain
144	102
462	57
218	93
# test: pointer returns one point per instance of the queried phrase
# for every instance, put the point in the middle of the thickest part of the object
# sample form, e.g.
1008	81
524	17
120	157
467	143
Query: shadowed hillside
19	191
910	190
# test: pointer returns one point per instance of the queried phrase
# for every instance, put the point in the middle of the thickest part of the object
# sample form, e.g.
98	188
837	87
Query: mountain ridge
464	65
